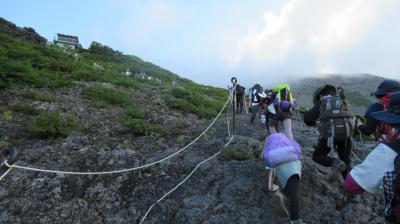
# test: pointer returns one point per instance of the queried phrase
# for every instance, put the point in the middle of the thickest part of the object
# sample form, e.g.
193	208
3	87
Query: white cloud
308	28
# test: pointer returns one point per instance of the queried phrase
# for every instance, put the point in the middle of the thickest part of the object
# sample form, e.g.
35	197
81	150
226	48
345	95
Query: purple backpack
279	149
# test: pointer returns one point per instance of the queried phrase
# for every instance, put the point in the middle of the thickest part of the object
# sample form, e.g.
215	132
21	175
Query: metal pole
234	81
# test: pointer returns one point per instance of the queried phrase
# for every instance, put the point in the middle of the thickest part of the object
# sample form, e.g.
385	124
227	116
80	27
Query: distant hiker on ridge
240	90
257	95
335	129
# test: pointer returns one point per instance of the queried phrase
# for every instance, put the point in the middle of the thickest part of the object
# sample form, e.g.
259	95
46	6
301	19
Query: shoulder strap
395	145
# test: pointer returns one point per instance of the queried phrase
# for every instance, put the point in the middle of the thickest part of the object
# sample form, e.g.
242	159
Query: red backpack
386	132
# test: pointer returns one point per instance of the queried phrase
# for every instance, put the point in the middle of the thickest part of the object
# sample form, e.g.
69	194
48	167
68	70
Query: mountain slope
85	115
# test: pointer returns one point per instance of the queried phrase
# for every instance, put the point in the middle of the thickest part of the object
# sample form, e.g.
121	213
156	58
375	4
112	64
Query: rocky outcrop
221	191
25	33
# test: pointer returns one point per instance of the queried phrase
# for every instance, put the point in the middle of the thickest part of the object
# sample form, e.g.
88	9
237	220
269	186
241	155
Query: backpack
284	99
385	132
239	90
279	149
335	120
255	98
391	187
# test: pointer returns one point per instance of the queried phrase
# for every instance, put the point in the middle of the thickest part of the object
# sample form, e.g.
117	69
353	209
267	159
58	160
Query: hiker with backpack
282	156
239	91
256	96
335	127
281	108
382	165
372	125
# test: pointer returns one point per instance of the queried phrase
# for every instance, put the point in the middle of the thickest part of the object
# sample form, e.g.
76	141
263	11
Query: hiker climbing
372	125
280	109
240	90
335	129
382	165
282	155
257	95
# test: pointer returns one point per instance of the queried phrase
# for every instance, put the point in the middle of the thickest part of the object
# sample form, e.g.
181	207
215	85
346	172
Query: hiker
382	165
280	108
283	156
240	90
256	96
335	129
372	125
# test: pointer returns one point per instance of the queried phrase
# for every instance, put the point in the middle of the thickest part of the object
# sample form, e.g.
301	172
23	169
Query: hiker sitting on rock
335	129
282	156
382	165
372	125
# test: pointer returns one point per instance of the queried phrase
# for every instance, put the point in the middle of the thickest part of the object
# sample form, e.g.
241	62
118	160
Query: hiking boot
278	203
338	167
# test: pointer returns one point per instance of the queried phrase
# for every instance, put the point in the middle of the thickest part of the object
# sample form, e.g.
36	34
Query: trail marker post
234	81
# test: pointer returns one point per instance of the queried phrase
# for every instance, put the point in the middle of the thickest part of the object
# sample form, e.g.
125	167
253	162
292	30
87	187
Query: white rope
129	169
359	160
184	180
5	173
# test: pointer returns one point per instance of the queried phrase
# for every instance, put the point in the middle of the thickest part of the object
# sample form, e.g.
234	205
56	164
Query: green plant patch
142	127
110	96
35	95
52	124
25	108
233	154
134	113
7	115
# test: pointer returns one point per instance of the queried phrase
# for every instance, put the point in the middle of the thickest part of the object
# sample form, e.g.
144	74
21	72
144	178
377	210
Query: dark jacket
370	123
311	116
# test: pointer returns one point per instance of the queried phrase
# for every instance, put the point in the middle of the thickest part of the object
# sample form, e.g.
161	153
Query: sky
257	41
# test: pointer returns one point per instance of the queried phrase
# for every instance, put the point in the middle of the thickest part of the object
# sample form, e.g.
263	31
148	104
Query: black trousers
292	193
254	111
239	103
322	150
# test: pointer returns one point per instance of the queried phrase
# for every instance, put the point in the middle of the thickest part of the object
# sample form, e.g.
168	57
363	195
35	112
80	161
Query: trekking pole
298	114
234	81
245	104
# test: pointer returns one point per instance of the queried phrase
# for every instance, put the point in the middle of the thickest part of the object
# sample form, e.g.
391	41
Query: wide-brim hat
392	115
387	86
323	90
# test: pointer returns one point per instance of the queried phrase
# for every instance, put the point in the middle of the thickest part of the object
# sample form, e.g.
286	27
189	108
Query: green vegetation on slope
24	64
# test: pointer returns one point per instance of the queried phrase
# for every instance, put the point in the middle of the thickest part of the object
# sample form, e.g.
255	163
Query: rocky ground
221	191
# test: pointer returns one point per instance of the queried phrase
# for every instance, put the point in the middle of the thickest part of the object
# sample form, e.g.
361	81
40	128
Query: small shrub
51	124
25	108
134	113
7	115
142	127
35	95
106	95
233	154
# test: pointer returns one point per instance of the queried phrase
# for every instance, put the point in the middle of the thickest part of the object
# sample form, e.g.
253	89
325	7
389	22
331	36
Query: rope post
234	81
7	156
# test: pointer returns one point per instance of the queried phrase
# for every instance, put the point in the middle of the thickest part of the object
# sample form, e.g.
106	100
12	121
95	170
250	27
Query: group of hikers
337	127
